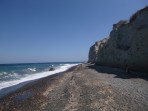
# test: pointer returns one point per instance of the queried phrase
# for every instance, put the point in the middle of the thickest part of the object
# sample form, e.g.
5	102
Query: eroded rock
127	44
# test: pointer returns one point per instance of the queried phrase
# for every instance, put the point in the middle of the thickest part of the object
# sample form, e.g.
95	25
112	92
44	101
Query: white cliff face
127	44
93	52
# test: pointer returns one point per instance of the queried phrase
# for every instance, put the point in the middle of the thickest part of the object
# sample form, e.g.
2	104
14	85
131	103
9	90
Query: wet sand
82	88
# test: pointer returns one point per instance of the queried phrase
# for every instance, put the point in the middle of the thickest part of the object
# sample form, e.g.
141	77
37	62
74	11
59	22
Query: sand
82	88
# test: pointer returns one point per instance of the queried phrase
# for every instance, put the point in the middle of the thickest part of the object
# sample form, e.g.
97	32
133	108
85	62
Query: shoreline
33	90
82	87
13	88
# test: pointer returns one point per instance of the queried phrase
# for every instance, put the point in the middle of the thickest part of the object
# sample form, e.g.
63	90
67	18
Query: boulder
51	69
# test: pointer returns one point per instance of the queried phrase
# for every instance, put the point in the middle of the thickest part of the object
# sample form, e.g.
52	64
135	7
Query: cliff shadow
120	73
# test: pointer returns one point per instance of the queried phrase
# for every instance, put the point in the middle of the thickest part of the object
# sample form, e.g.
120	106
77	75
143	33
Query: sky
57	30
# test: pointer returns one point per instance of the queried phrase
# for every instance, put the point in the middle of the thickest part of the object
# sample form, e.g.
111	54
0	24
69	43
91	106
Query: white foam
34	76
32	69
3	73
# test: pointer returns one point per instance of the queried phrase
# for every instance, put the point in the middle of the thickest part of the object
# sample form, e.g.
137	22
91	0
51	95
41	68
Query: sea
14	76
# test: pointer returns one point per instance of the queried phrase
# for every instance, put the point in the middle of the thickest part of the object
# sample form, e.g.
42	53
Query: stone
51	69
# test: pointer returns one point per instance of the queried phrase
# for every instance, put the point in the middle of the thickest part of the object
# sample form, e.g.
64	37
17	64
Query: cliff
127	44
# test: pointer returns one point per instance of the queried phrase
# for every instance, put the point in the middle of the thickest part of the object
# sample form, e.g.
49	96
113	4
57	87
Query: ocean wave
31	69
29	77
3	73
14	75
11	75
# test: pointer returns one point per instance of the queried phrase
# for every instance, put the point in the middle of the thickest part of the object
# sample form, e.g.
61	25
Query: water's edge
20	83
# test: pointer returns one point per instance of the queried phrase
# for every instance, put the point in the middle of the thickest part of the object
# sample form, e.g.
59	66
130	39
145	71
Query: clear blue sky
57	30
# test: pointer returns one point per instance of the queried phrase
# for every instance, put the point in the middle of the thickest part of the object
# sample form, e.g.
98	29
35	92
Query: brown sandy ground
82	88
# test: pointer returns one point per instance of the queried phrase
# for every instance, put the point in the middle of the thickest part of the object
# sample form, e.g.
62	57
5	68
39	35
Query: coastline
7	87
82	87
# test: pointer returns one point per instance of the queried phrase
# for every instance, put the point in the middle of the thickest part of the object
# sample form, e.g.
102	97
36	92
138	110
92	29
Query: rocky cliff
127	44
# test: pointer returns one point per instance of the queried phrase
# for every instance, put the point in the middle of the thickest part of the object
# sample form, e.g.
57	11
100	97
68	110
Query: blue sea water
13	74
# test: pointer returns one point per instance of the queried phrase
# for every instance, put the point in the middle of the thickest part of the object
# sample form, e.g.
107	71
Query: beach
82	88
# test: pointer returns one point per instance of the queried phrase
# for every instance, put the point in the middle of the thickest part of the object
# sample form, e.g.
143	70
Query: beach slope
82	88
